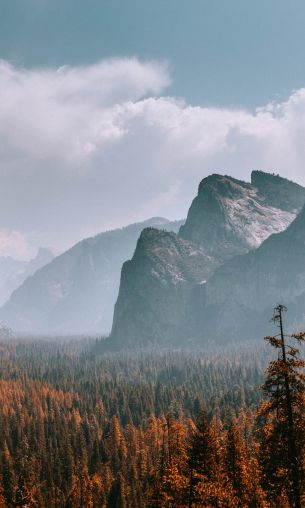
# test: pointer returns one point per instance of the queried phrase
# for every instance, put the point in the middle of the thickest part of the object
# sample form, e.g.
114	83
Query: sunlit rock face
230	217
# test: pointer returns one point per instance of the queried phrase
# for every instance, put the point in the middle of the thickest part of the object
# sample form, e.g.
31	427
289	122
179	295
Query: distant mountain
76	292
14	272
228	218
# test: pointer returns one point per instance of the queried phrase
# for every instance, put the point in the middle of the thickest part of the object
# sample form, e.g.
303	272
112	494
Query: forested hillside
156	429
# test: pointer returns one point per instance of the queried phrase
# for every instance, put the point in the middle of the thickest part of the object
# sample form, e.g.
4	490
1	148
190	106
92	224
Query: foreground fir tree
235	464
2	498
282	434
202	460
24	496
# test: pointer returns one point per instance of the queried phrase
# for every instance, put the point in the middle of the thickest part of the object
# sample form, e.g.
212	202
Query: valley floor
129	430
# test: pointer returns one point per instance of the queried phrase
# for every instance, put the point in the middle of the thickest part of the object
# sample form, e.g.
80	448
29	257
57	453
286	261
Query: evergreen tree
2	498
282	434
8	475
236	464
117	494
23	496
202	463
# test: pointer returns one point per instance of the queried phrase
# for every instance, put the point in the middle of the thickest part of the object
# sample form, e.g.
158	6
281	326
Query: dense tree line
156	429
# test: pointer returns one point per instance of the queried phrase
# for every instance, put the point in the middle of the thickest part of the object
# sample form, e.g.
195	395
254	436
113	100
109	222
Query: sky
113	111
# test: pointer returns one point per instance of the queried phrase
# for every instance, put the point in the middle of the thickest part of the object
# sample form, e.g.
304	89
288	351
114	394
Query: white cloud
88	148
56	113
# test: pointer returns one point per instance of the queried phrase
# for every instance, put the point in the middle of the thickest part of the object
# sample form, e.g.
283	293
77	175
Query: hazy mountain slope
14	272
76	292
158	289
227	218
10	269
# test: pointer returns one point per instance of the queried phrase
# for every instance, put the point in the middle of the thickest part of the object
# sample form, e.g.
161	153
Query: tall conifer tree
283	432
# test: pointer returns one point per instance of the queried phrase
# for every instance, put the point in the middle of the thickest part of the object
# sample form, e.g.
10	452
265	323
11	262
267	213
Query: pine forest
217	427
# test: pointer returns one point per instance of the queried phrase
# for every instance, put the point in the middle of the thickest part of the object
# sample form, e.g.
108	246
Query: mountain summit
230	217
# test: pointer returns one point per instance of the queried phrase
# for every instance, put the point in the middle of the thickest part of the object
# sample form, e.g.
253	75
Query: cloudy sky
113	111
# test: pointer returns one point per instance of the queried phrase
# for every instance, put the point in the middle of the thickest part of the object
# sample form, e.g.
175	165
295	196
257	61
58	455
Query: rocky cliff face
76	292
158	291
231	217
241	293
161	300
